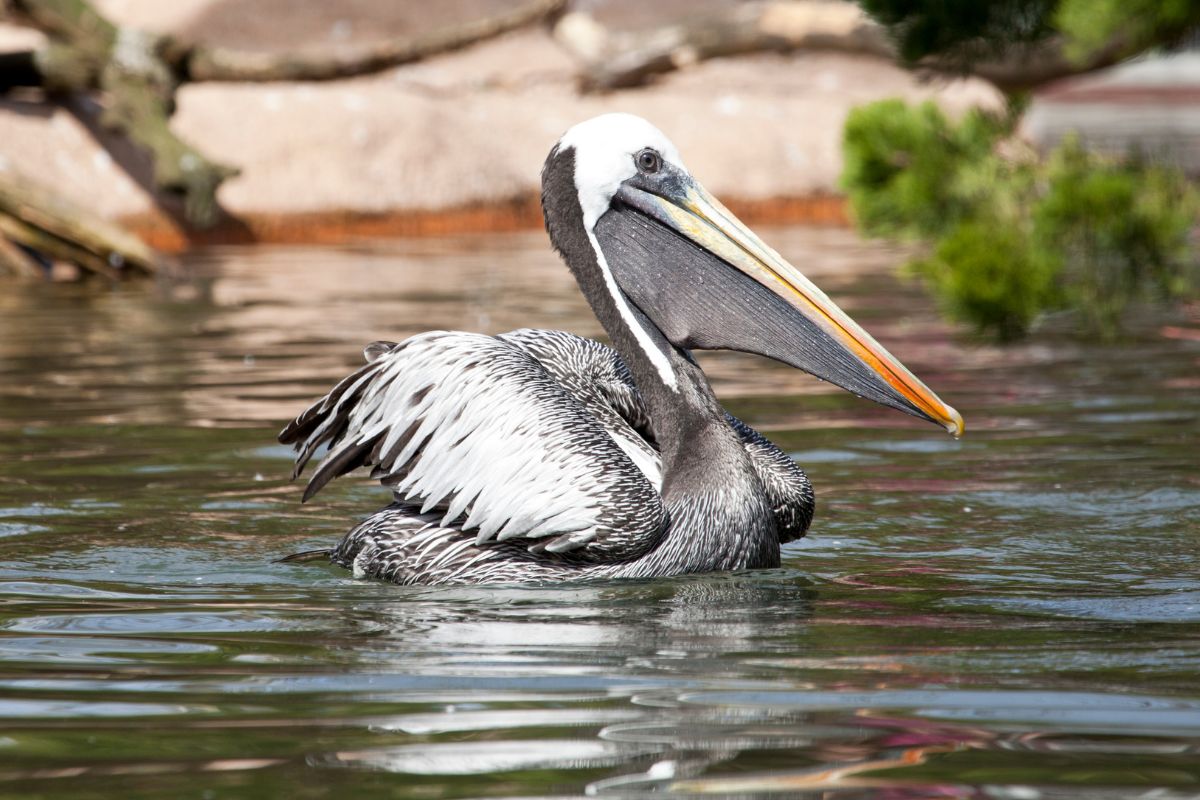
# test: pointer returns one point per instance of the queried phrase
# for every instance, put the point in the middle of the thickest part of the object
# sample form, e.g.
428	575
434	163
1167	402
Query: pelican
539	455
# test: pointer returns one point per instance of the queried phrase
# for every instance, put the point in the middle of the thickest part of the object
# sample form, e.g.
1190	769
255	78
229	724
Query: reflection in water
1013	615
641	641
616	619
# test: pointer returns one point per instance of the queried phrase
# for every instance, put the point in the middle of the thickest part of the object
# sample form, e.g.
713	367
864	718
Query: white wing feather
475	425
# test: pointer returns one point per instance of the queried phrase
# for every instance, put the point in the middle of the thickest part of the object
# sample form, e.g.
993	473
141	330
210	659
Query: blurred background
1041	150
208	207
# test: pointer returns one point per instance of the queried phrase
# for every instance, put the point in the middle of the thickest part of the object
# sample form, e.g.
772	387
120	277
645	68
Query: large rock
468	129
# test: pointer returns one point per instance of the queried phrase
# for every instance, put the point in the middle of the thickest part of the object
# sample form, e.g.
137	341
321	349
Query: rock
468	130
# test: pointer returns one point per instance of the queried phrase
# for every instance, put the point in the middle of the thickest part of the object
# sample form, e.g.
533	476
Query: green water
1013	615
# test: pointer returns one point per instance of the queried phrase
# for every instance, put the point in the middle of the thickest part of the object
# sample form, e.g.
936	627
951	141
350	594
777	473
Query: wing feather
476	426
596	376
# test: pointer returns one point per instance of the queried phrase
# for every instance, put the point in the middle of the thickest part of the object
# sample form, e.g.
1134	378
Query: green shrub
991	277
1120	230
903	164
962	30
1014	237
1089	26
962	33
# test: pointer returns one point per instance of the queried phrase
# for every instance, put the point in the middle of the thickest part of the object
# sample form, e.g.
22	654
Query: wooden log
53	247
16	261
87	52
80	41
614	61
140	88
69	21
32	215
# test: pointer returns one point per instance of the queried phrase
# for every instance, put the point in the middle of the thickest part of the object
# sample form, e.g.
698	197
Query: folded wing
597	377
475	428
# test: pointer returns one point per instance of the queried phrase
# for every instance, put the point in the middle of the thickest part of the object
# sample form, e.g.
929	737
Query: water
1013	615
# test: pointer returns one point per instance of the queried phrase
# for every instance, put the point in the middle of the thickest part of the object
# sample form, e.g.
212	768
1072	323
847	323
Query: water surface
1012	615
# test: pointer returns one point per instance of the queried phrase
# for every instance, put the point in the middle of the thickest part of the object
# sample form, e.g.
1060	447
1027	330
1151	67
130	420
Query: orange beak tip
954	423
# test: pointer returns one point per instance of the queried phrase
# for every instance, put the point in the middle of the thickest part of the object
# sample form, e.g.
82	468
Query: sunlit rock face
466	128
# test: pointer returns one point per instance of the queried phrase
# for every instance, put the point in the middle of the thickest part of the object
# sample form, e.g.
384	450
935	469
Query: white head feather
605	149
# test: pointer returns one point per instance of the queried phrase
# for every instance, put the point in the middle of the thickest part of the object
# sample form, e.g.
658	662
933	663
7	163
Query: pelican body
542	456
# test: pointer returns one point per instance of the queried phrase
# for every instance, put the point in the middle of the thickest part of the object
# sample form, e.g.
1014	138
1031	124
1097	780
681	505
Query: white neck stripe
656	356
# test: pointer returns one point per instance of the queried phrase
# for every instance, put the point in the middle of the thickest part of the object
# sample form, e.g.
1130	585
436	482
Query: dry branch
88	52
141	97
1028	66
35	217
613	61
16	261
621	60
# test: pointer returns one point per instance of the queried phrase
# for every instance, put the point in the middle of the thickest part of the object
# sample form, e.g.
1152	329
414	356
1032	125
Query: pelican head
643	236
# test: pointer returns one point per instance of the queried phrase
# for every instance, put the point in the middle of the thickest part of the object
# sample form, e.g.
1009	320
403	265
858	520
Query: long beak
698	216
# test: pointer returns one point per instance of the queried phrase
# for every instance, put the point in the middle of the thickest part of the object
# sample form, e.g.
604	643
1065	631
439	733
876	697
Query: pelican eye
649	161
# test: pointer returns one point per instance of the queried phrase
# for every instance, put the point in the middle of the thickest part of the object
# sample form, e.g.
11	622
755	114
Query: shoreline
517	214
